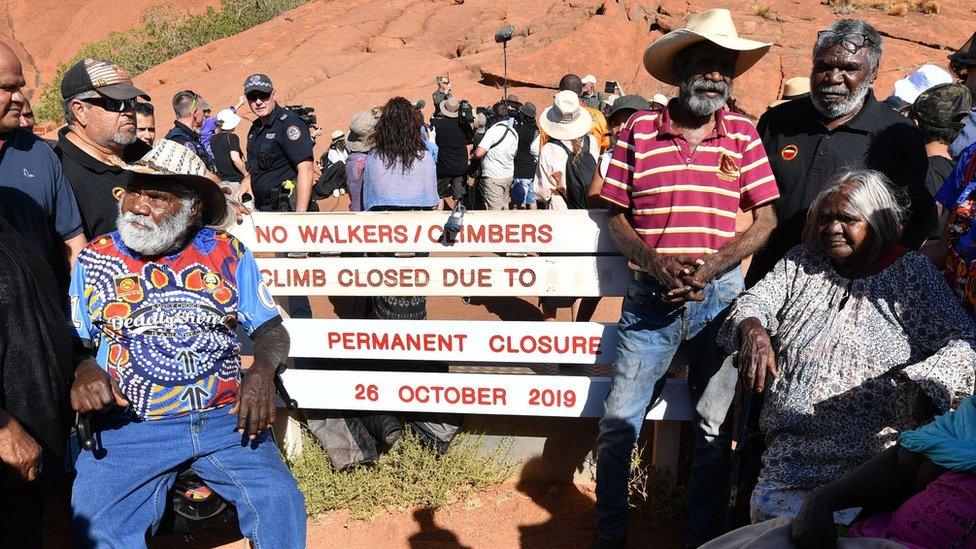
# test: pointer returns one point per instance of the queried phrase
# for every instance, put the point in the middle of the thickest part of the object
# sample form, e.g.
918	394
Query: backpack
577	174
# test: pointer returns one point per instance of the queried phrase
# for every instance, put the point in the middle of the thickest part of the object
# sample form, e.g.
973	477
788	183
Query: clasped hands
686	277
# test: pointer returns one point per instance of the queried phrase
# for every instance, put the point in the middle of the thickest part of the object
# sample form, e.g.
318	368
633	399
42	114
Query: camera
466	112
307	114
610	87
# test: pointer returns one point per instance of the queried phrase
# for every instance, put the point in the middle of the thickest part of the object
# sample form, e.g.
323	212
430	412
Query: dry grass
409	474
891	7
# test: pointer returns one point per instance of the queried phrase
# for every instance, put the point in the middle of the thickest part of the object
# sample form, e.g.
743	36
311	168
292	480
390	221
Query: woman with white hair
851	337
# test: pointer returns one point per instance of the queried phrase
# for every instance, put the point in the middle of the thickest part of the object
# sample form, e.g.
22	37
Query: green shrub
409	474
164	34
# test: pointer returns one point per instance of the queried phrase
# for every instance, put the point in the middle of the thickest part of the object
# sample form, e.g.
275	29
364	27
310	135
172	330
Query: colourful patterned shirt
165	329
684	200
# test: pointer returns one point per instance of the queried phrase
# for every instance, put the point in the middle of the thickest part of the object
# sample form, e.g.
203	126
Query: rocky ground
344	55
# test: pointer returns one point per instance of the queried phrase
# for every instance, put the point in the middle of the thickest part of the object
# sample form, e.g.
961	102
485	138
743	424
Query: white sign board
575	231
575	276
454	340
499	394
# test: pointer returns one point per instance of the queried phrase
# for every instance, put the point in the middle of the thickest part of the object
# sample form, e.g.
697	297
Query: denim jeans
650	331
120	493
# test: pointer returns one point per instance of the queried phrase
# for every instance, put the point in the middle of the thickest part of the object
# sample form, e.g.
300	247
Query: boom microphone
505	34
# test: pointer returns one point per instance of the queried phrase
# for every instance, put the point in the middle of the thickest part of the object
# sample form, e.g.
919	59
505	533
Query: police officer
188	107
279	153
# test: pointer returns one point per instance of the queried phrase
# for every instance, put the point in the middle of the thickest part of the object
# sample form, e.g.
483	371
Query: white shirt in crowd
550	180
335	155
499	163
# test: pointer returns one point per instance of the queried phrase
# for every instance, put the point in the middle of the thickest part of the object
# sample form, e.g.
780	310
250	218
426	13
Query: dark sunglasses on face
849	41
254	96
112	105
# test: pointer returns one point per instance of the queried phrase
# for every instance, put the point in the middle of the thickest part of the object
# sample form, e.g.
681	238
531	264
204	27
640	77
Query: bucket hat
565	119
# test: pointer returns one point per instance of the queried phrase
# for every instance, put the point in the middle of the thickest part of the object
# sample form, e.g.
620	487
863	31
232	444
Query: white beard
144	236
836	109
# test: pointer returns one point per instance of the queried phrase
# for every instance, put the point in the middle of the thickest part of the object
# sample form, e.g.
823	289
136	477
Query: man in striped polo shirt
676	180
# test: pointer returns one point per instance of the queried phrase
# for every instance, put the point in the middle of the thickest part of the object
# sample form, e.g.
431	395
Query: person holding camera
452	135
279	153
497	155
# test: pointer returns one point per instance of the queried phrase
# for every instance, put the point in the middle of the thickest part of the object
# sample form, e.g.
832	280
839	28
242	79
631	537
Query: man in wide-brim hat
158	303
677	177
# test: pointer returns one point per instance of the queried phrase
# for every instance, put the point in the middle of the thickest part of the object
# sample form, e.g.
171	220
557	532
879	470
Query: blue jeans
120	494
650	331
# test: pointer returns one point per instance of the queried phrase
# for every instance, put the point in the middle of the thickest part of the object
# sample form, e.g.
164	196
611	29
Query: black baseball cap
100	75
258	82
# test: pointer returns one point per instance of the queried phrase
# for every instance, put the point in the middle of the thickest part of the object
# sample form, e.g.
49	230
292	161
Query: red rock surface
345	55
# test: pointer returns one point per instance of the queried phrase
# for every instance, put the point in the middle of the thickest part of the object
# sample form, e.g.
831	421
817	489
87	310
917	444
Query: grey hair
183	103
69	116
856	26
871	195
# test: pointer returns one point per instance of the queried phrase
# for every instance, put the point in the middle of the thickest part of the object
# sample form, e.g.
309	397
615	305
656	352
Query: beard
144	236
836	108
691	93
124	139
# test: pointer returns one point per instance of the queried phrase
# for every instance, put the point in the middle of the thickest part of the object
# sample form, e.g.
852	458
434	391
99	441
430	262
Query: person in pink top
676	179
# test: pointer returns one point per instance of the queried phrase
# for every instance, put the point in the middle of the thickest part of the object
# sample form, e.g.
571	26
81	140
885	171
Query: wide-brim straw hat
713	26
794	88
171	164
449	107
565	119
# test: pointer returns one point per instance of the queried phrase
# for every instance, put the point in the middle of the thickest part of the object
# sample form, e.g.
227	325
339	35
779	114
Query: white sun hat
228	119
713	26
909	88
565	119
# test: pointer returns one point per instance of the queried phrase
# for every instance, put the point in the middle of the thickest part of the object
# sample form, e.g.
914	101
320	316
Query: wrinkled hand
18	450
694	282
756	357
255	404
244	188
668	271
94	390
813	527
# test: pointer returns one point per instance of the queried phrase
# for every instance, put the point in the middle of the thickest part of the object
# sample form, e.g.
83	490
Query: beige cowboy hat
794	88
565	119
171	164
713	26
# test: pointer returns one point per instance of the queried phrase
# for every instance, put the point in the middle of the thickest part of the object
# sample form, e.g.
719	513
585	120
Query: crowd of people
852	329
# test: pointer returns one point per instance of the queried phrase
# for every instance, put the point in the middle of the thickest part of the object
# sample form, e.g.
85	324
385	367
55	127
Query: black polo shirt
274	151
805	156
97	186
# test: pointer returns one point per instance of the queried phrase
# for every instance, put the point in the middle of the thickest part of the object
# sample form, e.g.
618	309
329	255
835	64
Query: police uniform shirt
274	151
805	156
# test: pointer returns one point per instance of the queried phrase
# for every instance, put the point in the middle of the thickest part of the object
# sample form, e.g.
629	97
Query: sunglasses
254	96
112	105
851	41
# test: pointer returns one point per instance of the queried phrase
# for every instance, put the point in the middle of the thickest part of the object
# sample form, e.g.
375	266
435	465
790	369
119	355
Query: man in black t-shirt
452	136
940	113
99	136
226	148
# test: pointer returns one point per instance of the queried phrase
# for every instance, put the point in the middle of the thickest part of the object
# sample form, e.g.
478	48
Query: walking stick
737	458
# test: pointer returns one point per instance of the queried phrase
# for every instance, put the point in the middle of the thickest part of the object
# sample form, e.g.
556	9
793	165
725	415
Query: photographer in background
279	153
452	133
590	96
442	93
526	159
497	155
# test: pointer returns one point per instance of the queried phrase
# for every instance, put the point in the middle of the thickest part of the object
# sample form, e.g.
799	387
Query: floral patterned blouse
852	354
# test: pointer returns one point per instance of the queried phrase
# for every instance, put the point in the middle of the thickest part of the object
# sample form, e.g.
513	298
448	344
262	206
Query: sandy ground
532	516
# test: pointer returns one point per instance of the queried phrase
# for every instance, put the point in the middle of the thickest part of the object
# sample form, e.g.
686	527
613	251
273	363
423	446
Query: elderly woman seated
850	335
918	494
